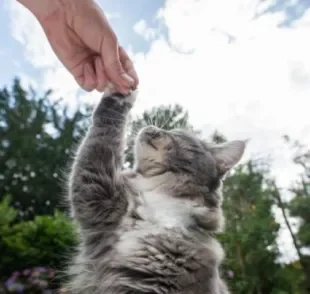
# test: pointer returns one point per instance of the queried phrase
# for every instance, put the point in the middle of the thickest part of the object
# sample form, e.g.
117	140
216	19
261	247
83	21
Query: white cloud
113	15
303	22
141	28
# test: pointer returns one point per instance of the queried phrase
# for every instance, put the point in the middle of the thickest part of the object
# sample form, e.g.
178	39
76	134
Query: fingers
114	68
120	70
87	77
92	75
128	66
102	79
90	80
99	38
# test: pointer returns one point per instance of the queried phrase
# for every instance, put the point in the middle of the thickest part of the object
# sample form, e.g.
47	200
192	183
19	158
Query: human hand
84	42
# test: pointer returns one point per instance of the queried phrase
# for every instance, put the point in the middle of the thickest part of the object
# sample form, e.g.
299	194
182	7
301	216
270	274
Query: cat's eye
156	135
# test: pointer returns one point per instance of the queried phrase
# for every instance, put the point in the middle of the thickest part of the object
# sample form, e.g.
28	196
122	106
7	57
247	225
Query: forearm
109	122
42	8
96	184
93	191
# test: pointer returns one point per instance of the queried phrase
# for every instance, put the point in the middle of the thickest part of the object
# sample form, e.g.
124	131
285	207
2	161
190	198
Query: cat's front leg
96	187
223	287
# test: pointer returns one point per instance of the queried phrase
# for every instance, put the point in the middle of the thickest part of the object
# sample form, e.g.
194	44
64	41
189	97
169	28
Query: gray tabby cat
148	231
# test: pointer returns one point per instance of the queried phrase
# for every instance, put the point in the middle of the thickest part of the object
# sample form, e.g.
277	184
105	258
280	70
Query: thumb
128	66
110	54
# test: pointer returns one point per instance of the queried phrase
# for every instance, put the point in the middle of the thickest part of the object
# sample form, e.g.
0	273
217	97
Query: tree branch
282	207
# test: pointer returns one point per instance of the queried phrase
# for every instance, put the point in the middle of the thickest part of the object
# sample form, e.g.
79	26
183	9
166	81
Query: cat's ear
228	154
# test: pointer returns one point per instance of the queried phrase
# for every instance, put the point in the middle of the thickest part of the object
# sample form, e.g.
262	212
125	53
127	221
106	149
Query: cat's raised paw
110	91
132	96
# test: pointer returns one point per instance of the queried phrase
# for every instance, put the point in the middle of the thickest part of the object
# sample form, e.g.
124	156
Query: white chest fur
165	210
159	213
160	208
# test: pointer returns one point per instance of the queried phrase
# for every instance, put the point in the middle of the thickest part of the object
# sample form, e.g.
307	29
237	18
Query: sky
240	66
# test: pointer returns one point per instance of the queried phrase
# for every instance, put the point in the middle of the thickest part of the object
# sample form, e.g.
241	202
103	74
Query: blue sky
256	87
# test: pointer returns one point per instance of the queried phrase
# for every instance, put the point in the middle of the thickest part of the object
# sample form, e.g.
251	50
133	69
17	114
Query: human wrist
41	9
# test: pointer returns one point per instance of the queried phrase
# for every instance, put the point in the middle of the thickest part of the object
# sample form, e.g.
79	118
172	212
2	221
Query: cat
149	230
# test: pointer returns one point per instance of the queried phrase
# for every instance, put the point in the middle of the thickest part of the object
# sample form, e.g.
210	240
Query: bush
42	243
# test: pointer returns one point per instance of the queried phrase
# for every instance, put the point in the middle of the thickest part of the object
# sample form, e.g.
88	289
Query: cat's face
158	151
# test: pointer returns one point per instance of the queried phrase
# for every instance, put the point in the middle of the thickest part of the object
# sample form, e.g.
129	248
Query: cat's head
194	168
158	151
182	153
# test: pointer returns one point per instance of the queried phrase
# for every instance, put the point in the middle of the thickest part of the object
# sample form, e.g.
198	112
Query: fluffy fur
150	230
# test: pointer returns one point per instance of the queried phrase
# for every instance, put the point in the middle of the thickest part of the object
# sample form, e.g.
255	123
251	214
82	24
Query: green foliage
7	214
299	206
251	231
165	117
36	137
45	240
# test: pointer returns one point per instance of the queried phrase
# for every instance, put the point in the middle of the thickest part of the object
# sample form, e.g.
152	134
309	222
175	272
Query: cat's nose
152	132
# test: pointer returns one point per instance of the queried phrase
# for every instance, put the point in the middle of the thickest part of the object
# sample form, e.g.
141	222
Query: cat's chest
164	211
157	215
161	219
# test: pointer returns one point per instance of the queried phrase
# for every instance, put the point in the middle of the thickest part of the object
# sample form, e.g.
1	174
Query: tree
251	231
36	138
299	207
165	117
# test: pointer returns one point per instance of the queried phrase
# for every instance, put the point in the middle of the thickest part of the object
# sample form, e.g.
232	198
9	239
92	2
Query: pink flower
230	274
26	272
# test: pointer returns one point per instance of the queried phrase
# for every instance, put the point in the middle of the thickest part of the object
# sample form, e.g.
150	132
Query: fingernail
132	73
128	79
